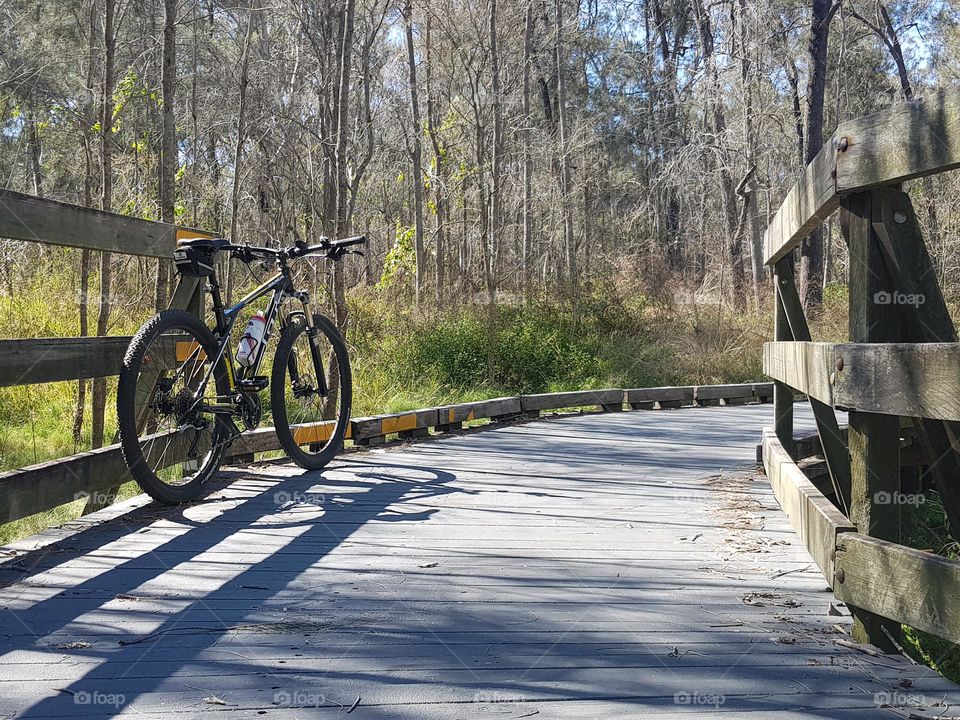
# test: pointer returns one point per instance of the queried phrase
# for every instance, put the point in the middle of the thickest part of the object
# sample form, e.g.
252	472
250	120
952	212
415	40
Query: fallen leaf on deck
74	645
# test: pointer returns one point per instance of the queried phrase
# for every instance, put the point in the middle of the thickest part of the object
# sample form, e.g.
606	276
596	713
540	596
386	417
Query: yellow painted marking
185	349
396	424
307	434
228	353
188	234
317	433
452	416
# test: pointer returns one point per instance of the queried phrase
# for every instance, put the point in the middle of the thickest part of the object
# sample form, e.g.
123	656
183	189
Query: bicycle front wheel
171	438
311	391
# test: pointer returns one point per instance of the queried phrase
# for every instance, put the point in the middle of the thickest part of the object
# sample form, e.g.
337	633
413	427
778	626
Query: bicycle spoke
174	433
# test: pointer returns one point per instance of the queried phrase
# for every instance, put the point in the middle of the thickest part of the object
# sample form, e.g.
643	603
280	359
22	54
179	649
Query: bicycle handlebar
334	249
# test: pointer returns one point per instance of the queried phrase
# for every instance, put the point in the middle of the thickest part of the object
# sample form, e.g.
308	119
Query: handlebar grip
347	242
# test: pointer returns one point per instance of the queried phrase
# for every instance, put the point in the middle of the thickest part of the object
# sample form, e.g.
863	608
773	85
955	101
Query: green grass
924	526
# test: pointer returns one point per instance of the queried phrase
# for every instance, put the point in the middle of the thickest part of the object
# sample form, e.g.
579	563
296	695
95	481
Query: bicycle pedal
254	384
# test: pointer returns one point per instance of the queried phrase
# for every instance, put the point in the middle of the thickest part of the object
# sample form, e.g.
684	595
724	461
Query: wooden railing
40	360
902	361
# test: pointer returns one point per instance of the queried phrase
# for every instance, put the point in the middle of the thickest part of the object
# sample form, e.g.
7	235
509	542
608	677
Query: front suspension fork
312	335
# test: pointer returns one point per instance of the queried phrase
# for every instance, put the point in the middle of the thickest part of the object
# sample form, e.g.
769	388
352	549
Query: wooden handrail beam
909	379
34	219
41	360
903	142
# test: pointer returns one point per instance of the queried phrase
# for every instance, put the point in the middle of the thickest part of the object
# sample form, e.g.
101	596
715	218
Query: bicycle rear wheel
171	439
311	391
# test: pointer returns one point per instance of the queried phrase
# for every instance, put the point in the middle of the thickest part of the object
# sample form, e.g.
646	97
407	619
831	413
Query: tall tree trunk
887	32
416	150
238	148
99	395
341	160
36	166
811	252
87	140
168	148
527	208
495	224
569	240
753	214
440	175
734	238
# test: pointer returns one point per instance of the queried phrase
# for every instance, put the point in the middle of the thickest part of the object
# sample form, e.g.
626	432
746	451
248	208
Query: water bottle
249	344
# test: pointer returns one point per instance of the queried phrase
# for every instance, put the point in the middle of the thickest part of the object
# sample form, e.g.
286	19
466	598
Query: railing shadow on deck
371	489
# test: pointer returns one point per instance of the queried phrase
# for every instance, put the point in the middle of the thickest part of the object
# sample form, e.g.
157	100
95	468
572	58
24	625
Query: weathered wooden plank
913	379
815	519
808	203
684	393
265	439
724	392
910	586
805	366
671	396
47	485
40	360
40	487
910	379
364	428
873	439
25	217
925	319
464	412
905	141
580	398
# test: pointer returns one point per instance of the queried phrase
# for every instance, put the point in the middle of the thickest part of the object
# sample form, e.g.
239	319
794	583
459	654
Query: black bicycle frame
281	285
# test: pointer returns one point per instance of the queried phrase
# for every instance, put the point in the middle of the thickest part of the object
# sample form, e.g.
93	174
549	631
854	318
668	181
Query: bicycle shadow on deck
366	495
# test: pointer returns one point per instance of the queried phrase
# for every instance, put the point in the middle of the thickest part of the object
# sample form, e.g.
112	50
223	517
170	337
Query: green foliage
924	526
400	264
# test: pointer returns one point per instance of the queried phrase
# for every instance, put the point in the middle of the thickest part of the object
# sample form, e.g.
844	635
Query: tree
415	149
811	252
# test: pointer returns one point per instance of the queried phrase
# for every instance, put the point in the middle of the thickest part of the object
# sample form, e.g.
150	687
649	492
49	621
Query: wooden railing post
831	439
926	319
782	394
873	438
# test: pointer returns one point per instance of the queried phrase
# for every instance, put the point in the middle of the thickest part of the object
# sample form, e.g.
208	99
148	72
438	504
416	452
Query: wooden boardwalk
599	566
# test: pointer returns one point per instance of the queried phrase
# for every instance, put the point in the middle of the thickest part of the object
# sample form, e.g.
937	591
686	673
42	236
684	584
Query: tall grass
404	358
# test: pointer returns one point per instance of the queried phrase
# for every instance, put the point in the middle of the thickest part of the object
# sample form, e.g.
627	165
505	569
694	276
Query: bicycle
180	393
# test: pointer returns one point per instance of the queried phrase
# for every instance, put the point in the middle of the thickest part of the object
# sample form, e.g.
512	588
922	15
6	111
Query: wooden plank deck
597	566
